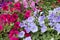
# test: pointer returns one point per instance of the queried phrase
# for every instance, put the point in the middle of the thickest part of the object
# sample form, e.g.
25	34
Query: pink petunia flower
27	14
5	7
16	25
13	32
16	1
14	17
1	27
17	5
14	38
25	3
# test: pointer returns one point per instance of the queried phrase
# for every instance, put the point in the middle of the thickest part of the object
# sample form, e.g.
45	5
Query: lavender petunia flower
56	19
57	27
30	19
27	38
43	28
21	34
51	24
33	27
22	25
54	16
27	29
41	19
56	10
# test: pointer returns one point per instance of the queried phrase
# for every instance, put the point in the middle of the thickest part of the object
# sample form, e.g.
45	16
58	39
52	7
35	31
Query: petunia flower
41	19
1	27
30	19
27	14
27	34
33	27
25	3
16	25
5	7
13	32
27	38
17	5
27	29
14	38
32	5
43	28
14	17
57	27
21	34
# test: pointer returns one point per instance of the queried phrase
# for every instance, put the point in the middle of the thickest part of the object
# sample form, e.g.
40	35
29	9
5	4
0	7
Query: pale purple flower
51	24
30	19
27	38
21	25
56	10
57	27
56	19
27	29
41	19
43	28
54	16
51	16
21	34
33	27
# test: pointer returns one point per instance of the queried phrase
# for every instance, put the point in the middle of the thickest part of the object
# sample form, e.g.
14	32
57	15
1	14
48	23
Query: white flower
21	34
27	38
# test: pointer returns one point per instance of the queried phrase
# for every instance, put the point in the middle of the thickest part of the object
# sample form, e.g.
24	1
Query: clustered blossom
54	19
33	20
8	18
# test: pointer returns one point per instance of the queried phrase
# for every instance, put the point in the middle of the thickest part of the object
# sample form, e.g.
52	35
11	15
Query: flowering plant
29	20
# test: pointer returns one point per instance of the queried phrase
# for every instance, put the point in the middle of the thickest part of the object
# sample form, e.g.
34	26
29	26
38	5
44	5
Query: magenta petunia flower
14	38
17	5
13	32
1	27
27	14
14	17
16	25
